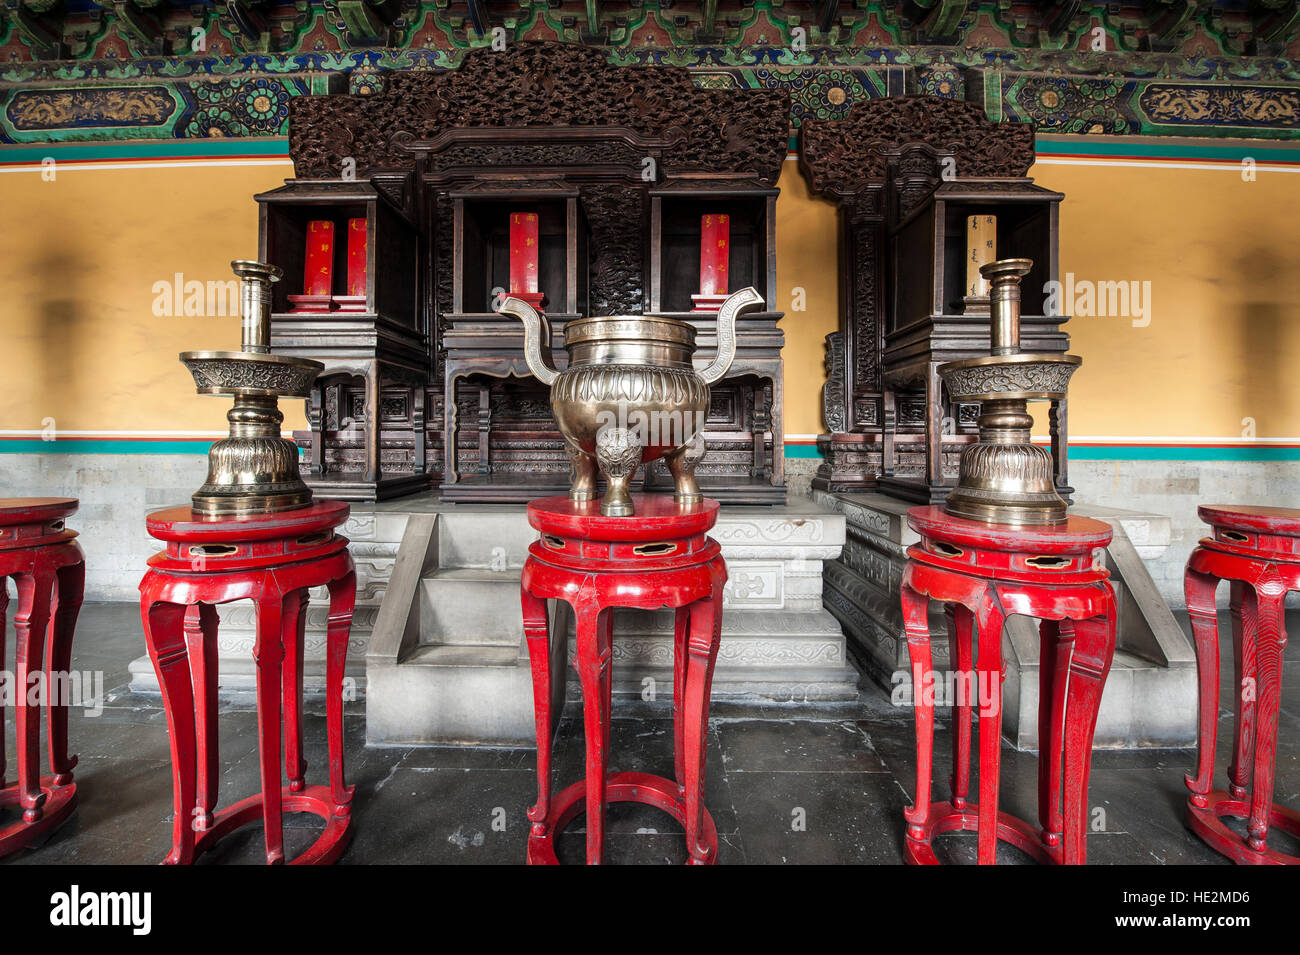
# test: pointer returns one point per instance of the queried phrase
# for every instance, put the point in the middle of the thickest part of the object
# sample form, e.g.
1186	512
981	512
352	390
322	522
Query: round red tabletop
656	516
1282	521
35	510
1076	535
182	524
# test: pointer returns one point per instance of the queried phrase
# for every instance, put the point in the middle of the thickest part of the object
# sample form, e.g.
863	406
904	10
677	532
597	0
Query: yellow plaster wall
80	256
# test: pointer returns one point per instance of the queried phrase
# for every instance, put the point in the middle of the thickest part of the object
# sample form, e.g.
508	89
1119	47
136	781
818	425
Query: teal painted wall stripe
1149	147
92	446
167	149
1153	147
1140	453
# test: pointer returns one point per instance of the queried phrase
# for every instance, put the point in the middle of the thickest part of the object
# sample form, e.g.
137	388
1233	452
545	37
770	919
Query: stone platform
1150	695
437	645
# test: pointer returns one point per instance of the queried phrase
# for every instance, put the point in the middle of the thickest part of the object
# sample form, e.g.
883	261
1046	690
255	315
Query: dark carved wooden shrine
429	383
906	173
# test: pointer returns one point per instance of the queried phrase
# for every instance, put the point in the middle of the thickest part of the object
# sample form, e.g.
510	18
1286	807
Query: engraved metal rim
660	328
1003	360
307	366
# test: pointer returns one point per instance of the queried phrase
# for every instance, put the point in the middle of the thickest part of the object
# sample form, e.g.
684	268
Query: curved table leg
594	653
1244	610
200	628
989	619
1093	650
1270	644
681	631
959	656
269	654
35	594
1057	639
537	634
165	639
917	624
343	598
293	637
702	655
70	589
1199	589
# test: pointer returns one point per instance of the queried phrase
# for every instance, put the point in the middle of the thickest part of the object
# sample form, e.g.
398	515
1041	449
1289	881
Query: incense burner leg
618	452
682	465
583	485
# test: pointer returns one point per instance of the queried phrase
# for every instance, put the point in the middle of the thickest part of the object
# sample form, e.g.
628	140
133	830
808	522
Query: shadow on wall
1267	332
60	310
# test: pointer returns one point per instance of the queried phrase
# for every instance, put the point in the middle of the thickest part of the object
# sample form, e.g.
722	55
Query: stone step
479	655
471	606
487	538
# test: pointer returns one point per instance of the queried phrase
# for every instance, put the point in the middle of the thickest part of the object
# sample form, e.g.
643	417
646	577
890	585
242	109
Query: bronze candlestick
253	470
1004	478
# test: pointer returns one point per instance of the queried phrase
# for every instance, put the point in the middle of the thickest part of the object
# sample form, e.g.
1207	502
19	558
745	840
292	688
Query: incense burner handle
537	338
736	302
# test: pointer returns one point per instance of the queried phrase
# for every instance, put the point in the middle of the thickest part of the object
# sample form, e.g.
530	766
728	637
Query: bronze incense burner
630	394
1004	478
253	470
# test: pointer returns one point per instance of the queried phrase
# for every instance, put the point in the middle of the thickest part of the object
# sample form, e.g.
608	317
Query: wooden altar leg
933	429
343	599
485	429
702	655
1270	643
200	629
449	414
293	635
594	652
373	404
988	667
1199	589
681	631
268	652
35	593
165	638
315	424
916	621
1057	642
1244	611
537	634
71	583
1094	646
419	426
959	656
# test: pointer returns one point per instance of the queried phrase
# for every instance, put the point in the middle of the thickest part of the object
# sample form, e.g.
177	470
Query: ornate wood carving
542	84
878	163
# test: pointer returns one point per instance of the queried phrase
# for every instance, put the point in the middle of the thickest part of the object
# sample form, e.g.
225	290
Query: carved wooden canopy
539	85
840	157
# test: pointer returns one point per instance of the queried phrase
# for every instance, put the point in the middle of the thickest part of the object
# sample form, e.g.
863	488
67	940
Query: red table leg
1199	590
343	599
1244	611
292	639
537	635
1094	647
988	665
916	622
594	652
69	591
959	657
164	636
1270	644
1057	641
269	655
681	633
702	654
35	593
200	627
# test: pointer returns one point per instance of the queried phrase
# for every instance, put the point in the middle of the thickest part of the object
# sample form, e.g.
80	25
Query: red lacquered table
662	557
270	559
42	556
1256	549
984	573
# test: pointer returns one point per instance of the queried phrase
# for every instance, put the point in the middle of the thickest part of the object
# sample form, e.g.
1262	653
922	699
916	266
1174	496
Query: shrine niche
916	179
545	173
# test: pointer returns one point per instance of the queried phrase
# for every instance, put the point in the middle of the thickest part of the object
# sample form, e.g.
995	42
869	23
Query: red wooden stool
660	558
49	573
984	573
270	559
1257	549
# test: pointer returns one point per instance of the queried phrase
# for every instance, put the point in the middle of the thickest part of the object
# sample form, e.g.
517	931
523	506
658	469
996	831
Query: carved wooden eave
842	157
548	85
